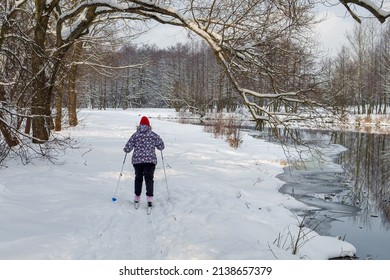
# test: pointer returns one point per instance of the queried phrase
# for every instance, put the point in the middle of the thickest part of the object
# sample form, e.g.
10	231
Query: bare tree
360	74
253	40
245	36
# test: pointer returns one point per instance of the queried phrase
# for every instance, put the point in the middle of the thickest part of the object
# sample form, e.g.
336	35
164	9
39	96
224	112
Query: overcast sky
331	31
164	35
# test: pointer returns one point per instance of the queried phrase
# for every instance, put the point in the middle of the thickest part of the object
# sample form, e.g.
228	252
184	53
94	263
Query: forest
58	56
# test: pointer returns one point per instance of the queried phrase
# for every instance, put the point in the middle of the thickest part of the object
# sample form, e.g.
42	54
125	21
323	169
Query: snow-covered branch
380	11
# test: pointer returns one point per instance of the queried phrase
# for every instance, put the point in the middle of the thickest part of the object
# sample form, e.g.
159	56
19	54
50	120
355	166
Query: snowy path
126	233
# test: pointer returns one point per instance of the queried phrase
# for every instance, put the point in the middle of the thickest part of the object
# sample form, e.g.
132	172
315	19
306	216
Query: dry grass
226	127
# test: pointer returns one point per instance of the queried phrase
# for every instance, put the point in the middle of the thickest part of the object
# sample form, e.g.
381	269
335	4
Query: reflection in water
353	204
366	164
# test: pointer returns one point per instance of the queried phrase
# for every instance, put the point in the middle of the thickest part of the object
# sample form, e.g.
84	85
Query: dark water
349	189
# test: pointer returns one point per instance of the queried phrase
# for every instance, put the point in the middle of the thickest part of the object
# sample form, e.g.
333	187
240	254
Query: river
352	202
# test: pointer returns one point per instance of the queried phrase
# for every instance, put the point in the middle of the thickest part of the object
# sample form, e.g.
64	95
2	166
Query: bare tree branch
376	10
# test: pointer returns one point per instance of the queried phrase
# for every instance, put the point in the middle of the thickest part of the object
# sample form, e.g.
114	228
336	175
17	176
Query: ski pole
165	174
120	175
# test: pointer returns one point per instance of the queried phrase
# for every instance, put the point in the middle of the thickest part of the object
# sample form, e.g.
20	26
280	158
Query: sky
331	31
164	36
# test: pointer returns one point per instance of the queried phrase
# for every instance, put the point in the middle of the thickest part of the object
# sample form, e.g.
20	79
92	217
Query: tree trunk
72	102
58	119
40	105
9	137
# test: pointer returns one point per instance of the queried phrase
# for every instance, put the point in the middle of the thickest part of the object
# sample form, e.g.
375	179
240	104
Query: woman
144	143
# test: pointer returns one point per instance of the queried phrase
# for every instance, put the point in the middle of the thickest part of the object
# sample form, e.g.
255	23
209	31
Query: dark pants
144	170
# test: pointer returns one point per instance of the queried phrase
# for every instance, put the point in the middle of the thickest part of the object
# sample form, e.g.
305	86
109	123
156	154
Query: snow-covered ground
219	203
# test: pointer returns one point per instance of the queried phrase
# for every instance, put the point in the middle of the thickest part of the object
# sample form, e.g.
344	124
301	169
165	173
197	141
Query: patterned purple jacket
144	142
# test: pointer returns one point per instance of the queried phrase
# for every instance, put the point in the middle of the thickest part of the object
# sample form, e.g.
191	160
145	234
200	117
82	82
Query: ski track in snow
125	233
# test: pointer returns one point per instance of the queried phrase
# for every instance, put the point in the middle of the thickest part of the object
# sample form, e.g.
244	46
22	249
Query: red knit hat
144	121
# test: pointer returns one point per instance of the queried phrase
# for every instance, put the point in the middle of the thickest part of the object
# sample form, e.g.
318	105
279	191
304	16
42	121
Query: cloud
332	31
164	36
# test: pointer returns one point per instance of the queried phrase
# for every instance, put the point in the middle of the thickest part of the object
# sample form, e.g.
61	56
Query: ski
150	205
